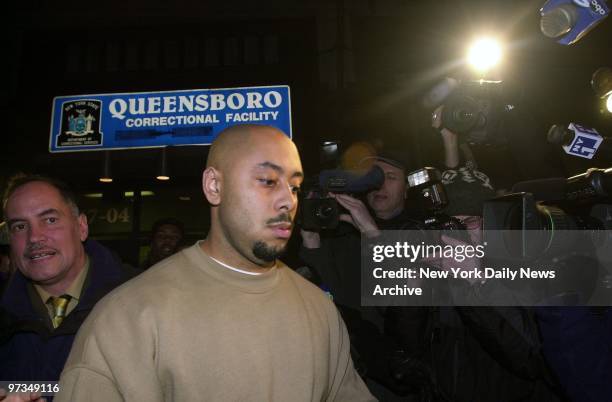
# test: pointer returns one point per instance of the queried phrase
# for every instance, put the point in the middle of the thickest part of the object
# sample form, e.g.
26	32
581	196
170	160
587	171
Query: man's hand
21	397
358	215
474	230
310	239
449	138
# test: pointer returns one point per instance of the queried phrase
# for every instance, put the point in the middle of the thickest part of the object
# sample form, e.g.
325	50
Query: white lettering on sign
121	108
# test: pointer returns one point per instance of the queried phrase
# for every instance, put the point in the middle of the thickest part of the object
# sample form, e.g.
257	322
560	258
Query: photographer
532	343
333	253
475	353
335	256
455	171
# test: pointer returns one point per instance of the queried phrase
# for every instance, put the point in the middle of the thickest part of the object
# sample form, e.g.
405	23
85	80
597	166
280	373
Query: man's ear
211	185
83	226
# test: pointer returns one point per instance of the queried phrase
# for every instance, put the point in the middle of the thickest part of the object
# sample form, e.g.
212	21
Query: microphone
570	20
594	184
581	141
342	181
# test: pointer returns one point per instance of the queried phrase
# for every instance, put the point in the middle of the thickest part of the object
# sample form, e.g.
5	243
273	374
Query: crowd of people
225	319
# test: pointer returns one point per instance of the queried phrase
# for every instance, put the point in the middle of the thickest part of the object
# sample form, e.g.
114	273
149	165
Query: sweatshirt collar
259	283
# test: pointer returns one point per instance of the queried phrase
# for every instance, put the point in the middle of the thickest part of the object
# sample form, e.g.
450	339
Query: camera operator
454	169
335	256
473	353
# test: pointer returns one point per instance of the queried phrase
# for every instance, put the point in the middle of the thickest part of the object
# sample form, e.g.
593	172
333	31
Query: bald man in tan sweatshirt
223	320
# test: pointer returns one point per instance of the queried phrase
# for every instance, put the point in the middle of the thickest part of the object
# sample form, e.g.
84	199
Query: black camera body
321	212
472	109
426	188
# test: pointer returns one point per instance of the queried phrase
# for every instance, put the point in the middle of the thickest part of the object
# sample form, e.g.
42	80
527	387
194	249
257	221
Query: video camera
472	109
550	217
321	212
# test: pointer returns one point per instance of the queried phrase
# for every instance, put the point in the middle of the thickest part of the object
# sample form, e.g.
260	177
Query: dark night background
356	69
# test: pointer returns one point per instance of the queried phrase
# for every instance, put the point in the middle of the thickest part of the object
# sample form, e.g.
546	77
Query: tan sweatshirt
190	329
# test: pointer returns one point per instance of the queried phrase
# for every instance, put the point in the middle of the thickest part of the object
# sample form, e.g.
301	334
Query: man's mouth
281	230
40	255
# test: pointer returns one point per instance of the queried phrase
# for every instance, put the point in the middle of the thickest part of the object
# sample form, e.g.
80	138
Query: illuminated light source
601	81
106	176
484	54
143	193
162	171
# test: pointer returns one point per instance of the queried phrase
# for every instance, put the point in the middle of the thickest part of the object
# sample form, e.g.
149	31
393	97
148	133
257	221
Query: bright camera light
484	54
609	103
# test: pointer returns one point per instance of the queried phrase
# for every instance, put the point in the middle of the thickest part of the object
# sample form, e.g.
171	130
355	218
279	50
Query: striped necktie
59	305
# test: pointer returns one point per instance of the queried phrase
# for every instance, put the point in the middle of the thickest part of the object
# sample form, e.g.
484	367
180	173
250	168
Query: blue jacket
577	343
29	350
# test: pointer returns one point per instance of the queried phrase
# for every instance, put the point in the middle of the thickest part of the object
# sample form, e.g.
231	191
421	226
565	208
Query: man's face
259	199
165	241
388	201
45	234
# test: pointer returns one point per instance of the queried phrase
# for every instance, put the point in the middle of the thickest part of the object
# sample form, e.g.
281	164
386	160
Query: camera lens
460	114
325	211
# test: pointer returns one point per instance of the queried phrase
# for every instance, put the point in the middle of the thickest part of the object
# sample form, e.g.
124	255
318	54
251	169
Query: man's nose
287	199
36	233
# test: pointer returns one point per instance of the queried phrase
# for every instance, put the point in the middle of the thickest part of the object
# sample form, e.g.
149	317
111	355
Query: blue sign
583	146
158	119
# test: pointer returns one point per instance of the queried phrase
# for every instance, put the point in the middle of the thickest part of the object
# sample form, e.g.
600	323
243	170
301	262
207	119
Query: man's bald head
235	141
251	183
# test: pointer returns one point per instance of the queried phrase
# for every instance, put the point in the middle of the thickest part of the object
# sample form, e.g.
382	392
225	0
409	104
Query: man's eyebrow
278	168
40	214
48	211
